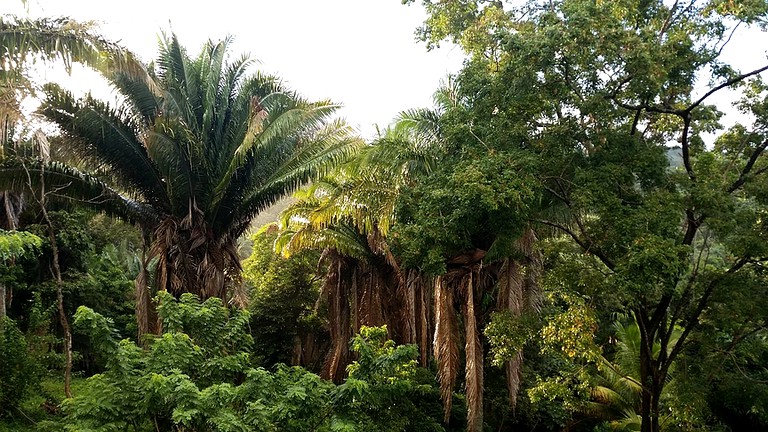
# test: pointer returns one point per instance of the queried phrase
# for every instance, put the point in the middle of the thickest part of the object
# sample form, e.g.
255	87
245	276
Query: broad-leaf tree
599	91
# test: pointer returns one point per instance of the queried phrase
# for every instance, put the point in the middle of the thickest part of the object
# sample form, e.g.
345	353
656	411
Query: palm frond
106	137
22	40
68	185
474	355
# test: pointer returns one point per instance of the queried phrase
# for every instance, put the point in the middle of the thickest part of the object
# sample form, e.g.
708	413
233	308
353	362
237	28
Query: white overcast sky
360	53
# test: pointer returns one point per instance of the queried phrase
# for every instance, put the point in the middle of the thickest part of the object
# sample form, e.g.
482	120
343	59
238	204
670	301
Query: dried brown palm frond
446	349
511	298
423	289
474	355
518	292
534	265
407	292
408	311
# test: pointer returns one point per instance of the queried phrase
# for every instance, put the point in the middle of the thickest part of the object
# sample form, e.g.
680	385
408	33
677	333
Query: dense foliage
19	373
570	239
198	375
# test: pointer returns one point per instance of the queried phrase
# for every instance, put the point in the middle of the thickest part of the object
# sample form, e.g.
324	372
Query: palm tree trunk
335	292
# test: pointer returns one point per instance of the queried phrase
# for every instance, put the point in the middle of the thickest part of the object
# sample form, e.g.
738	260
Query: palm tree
348	215
194	150
617	391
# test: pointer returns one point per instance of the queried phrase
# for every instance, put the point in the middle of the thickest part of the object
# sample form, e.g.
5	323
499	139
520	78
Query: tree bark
2	301
62	313
651	377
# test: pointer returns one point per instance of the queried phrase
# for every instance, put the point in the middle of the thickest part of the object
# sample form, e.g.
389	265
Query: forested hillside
572	237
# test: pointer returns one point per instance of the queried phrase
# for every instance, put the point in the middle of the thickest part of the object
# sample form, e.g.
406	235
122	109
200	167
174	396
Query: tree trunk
59	283
62	314
650	406
2	301
650	377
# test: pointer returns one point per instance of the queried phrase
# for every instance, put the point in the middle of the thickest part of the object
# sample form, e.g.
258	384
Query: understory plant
199	375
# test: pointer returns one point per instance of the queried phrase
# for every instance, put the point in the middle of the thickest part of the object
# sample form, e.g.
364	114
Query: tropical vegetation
572	238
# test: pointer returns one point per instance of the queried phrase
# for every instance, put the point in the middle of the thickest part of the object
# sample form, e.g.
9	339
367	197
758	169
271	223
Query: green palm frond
270	131
617	392
302	229
141	92
60	39
70	186
362	193
106	137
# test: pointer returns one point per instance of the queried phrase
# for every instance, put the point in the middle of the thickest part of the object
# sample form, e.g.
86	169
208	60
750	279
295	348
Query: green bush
198	377
18	373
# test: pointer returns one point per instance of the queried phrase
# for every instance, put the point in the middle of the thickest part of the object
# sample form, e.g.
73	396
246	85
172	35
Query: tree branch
693	319
588	248
728	83
748	167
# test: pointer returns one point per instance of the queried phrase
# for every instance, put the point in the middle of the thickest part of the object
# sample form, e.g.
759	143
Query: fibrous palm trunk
335	294
192	259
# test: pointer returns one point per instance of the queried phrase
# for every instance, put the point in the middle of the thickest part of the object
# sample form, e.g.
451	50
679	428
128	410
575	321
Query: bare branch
748	167
728	83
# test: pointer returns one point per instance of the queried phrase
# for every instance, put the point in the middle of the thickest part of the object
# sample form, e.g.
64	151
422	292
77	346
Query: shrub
18	373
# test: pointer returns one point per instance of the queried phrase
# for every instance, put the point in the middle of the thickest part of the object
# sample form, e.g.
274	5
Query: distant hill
272	214
675	156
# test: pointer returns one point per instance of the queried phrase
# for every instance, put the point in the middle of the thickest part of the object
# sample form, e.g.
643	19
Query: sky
359	53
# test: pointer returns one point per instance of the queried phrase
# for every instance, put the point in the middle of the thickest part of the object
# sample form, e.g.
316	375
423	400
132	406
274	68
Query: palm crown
193	151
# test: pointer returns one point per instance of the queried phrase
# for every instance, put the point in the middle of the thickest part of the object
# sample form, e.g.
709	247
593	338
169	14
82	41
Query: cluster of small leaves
15	244
508	334
197	376
567	340
571	331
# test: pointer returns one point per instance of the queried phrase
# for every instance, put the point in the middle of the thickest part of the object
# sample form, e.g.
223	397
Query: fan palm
193	151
